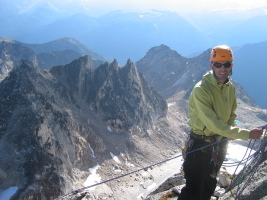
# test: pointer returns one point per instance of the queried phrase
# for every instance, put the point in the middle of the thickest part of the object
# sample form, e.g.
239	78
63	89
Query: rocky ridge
169	72
57	124
121	95
46	55
10	55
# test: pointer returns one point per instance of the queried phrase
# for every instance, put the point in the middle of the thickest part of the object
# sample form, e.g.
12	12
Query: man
211	111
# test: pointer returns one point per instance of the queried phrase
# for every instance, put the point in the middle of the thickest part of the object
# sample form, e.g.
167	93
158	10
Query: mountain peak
163	50
131	66
6	40
68	39
112	91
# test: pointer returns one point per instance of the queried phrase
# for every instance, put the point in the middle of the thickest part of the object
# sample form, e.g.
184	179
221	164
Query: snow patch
93	178
117	170
149	132
92	151
171	104
145	174
109	129
129	164
115	158
152	187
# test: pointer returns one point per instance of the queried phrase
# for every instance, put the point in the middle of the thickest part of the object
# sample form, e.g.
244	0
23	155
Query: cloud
180	6
25	6
52	6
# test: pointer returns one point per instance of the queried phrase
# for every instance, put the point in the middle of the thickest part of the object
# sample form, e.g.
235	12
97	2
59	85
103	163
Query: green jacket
212	108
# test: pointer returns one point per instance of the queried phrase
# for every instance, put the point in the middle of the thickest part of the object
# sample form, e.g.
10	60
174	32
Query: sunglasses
219	65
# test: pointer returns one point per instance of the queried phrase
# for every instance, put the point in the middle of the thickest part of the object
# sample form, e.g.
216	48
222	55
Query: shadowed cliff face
53	125
33	126
121	95
10	55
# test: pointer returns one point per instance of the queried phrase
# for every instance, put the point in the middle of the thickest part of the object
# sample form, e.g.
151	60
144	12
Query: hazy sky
104	6
181	6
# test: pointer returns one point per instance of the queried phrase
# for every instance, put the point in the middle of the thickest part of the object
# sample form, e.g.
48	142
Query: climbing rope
257	159
243	161
145	169
150	166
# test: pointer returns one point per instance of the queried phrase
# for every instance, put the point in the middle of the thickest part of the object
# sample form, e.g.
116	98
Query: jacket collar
210	77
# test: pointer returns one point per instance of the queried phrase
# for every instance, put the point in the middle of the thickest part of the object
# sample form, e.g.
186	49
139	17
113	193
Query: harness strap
203	137
212	139
215	150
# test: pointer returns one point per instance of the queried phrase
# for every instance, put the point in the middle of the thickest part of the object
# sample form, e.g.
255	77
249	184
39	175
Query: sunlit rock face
53	125
169	72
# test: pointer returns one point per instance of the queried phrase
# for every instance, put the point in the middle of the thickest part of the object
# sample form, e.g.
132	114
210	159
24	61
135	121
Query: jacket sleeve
205	113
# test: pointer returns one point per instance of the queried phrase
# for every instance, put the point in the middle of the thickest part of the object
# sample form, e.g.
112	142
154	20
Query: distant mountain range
124	35
63	44
249	69
120	35
46	55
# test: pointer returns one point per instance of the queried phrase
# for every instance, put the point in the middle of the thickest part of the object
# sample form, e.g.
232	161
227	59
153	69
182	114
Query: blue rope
145	168
150	166
243	160
257	158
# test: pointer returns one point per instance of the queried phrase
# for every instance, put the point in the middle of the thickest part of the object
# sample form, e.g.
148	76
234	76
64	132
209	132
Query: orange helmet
221	53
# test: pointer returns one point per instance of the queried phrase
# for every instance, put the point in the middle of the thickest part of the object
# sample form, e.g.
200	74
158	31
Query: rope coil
257	159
